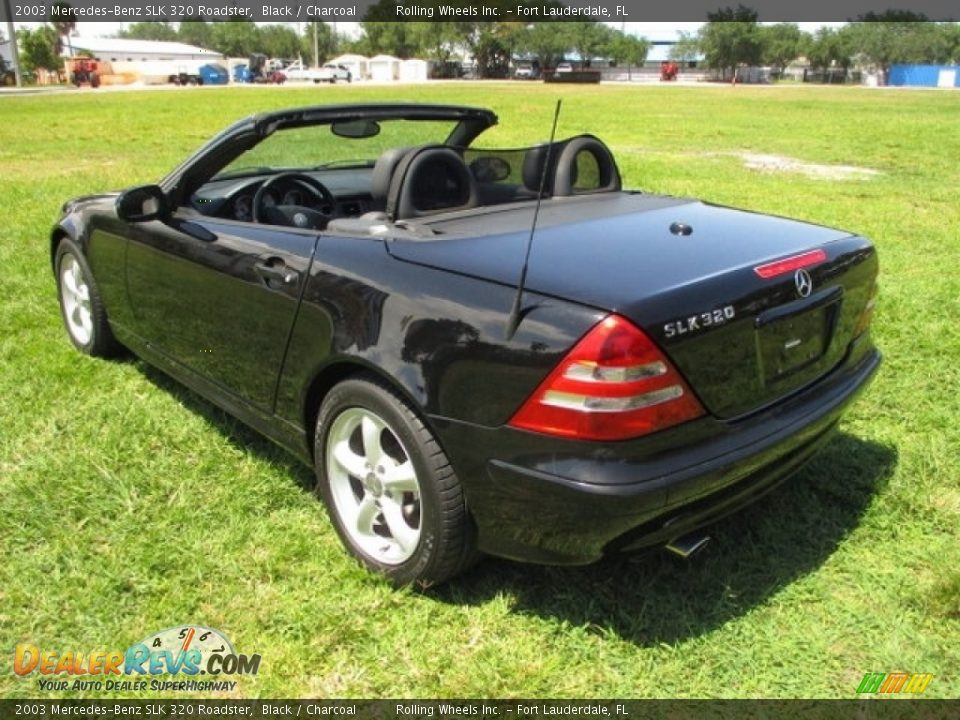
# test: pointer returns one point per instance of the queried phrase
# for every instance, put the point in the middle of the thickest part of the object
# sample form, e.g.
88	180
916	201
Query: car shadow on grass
655	597
660	598
234	430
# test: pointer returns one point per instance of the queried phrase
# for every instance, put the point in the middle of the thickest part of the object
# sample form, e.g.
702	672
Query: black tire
446	539
100	342
94	80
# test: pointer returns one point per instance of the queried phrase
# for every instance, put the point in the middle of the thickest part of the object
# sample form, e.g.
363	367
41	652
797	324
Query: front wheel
80	304
391	494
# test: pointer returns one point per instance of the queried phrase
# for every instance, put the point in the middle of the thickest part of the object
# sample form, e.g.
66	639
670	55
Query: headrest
430	179
585	165
533	164
383	172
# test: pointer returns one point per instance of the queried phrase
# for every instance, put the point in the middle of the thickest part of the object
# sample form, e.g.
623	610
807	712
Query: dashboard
232	198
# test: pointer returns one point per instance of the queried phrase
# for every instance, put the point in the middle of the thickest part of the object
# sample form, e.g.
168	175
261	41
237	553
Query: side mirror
142	204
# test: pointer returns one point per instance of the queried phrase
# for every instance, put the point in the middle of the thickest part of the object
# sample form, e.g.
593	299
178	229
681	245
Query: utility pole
14	52
316	46
623	31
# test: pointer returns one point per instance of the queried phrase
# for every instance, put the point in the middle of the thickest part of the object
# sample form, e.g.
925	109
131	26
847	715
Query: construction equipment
84	71
668	71
259	70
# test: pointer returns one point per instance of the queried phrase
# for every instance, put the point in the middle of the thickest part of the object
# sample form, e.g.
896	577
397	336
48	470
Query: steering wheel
295	215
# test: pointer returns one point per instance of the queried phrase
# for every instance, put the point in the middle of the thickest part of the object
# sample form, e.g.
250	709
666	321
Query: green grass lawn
129	505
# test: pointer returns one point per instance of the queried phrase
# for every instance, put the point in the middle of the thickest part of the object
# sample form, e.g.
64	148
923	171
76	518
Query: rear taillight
614	384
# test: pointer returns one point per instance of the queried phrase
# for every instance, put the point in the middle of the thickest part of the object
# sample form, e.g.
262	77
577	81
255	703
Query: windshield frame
223	148
307	148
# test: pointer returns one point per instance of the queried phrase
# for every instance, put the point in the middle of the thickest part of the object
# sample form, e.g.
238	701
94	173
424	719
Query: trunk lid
740	340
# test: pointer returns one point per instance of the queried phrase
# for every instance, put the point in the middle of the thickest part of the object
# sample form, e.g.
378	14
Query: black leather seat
375	220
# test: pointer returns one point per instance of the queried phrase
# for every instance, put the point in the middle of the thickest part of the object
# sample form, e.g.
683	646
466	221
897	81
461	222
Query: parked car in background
329	73
526	71
337	73
298	72
345	279
564	67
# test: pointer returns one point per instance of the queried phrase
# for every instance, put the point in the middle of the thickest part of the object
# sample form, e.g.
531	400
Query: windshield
317	146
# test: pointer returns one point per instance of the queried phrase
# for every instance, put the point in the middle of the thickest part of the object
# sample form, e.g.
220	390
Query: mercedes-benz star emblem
804	283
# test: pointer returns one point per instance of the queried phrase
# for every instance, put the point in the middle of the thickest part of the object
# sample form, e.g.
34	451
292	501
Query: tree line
731	37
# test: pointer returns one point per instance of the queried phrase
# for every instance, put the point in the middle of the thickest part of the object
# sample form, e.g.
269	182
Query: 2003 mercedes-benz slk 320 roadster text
346	279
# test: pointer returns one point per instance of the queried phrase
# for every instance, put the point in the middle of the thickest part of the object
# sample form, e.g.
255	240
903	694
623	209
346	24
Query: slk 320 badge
701	321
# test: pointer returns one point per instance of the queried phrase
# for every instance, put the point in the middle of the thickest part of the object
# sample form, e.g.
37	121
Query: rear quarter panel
435	335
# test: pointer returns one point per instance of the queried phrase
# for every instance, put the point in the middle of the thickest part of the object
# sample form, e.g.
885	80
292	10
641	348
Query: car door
219	297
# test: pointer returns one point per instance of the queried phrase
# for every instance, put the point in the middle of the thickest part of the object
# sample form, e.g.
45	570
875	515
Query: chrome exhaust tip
687	545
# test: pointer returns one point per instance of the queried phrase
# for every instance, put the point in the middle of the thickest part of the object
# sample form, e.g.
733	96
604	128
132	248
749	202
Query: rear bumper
541	500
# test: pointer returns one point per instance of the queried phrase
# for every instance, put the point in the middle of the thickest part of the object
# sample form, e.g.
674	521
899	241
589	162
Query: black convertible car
347	280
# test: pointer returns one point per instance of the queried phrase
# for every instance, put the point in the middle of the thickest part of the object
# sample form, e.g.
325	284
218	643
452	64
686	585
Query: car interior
407	185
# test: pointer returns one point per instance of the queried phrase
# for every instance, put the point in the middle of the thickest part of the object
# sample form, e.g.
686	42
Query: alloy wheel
374	486
75	294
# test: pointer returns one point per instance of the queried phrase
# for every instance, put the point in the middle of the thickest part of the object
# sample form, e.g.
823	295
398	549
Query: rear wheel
391	494
80	304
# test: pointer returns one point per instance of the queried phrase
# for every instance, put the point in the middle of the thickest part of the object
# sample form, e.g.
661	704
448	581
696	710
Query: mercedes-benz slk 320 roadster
346	280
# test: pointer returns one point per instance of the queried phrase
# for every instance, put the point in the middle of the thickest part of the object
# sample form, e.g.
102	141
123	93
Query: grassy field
129	505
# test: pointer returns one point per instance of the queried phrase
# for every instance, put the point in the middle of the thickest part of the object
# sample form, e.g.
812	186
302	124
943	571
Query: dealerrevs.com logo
185	652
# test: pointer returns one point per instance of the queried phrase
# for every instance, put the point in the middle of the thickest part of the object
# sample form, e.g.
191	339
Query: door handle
277	273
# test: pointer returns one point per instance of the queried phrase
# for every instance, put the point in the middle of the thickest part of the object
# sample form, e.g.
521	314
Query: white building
414	70
147	61
384	68
123	50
